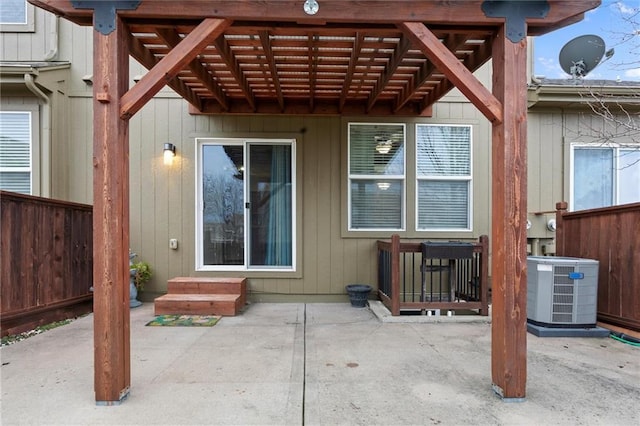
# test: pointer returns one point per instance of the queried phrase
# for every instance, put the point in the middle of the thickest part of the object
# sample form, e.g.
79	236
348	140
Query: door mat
185	320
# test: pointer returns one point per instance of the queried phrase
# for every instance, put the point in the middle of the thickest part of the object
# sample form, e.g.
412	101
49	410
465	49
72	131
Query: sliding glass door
247	205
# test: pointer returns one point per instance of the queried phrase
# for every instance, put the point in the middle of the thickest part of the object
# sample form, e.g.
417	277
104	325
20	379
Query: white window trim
608	145
403	178
446	178
35	157
199	258
27	27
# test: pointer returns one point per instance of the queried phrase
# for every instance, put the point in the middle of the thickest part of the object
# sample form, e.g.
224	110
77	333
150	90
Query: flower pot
358	294
133	290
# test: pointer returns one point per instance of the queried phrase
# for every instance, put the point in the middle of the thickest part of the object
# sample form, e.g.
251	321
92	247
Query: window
16	16
376	176
15	151
246	194
604	176
443	172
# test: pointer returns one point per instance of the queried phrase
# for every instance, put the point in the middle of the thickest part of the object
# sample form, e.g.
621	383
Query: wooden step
198	304
208	285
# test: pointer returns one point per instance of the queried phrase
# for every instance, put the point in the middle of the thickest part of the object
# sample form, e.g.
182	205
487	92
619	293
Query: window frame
448	178
615	178
34	147
201	142
365	177
18	27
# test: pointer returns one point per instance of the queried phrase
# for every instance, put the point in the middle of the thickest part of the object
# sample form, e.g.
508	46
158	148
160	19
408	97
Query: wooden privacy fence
46	261
433	276
610	235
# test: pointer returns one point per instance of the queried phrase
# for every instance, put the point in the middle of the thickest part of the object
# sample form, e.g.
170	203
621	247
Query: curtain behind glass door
270	184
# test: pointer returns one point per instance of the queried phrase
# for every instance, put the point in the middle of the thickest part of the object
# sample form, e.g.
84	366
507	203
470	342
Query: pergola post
112	368
509	217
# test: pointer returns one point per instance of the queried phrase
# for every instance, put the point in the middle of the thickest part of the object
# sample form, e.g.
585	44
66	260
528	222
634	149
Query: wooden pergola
369	57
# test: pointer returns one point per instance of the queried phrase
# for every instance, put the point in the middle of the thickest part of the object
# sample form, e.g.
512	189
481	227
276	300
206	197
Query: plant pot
358	294
133	290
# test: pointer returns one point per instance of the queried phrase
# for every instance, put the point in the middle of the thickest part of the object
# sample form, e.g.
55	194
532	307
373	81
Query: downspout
44	177
53	51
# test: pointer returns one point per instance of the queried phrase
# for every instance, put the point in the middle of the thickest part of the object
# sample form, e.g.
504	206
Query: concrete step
208	285
198	304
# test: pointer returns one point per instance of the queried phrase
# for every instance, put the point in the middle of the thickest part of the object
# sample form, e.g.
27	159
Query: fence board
610	235
46	259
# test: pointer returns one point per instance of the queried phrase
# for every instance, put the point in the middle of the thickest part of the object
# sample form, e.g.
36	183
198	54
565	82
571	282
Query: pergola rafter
415	51
172	38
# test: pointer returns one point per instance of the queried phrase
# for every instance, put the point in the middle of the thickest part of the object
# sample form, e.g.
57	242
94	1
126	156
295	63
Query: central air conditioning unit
562	292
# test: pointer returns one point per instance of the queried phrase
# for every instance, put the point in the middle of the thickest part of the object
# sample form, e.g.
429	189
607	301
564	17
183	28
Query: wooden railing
46	261
410	282
610	235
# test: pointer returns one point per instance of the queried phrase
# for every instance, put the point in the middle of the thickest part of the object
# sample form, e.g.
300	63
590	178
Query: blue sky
607	22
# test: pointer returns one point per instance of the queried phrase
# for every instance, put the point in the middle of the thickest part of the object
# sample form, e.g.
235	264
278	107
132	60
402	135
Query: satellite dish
582	54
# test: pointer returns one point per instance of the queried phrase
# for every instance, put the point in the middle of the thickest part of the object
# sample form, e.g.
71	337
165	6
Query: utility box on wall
562	291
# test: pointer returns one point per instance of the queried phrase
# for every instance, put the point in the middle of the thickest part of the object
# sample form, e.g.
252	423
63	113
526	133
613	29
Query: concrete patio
318	364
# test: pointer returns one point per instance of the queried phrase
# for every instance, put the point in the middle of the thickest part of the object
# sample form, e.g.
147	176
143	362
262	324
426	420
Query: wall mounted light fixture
169	153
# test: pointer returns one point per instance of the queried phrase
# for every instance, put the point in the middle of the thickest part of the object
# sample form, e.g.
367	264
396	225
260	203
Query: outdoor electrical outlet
173	244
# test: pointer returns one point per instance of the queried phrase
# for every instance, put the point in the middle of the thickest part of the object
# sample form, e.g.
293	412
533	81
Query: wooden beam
312	64
301	106
353	61
112	359
234	67
169	66
509	220
454	70
395	275
461	12
474	61
401	49
171	37
451	42
273	70
148	60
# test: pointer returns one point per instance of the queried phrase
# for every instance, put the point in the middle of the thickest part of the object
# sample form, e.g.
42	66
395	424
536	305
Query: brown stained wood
139	51
302	107
398	279
273	70
209	285
395	274
509	217
396	60
456	72
484	275
198	304
231	62
426	71
172	39
275	57
355	54
111	219
610	236
46	267
169	66
460	12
